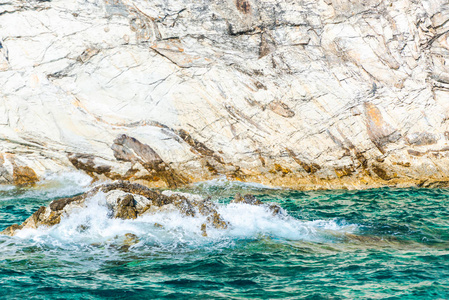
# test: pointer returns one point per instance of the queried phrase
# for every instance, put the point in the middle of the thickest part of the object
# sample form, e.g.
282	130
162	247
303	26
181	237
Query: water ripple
382	243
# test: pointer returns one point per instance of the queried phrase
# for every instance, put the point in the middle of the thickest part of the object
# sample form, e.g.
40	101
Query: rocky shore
127	200
306	94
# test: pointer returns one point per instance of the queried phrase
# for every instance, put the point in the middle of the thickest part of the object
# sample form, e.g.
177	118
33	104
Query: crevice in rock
311	168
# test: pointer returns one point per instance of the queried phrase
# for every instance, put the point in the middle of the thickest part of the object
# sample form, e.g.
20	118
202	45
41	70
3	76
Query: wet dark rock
183	205
126	208
217	221
204	229
24	175
379	171
252	200
59	204
276	209
247	199
130	149
87	164
11	229
433	184
127	200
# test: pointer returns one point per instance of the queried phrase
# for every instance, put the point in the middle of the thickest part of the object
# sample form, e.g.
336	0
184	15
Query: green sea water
372	244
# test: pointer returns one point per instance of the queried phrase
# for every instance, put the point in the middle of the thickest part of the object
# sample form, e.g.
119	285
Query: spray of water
50	187
92	225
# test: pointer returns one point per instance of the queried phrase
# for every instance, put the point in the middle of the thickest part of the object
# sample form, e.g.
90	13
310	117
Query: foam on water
224	183
6	187
50	187
92	225
399	248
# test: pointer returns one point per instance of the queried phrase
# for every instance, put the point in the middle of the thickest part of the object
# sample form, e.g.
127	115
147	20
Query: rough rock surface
127	200
307	94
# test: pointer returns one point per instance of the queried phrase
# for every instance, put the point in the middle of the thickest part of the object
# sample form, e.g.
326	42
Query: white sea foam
187	195
51	186
6	188
93	225
65	184
225	183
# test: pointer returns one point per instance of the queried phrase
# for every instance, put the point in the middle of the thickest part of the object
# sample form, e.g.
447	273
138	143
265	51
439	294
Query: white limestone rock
309	94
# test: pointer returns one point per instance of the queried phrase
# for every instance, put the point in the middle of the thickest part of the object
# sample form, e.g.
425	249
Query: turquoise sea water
372	244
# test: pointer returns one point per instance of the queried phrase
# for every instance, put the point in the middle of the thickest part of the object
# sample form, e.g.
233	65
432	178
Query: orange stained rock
373	114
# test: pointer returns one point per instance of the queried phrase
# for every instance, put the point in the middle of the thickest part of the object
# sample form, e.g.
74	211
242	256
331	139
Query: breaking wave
326	244
93	226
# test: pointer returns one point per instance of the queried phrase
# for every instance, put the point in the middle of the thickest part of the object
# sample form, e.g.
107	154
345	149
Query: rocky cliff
305	94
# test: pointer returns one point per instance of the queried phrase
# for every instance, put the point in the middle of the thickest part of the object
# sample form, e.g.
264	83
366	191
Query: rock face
305	94
127	200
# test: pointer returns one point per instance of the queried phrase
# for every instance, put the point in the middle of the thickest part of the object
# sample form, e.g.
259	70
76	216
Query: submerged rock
127	200
130	239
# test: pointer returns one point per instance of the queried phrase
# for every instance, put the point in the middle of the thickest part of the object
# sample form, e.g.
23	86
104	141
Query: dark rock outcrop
251	200
127	148
127	200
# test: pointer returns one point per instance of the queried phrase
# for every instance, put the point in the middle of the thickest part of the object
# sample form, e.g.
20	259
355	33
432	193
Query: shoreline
291	182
